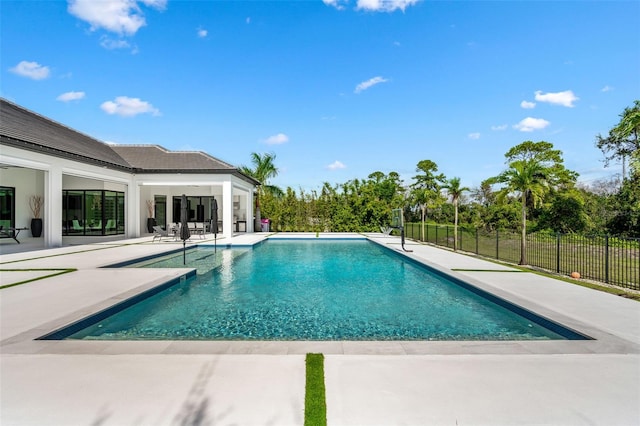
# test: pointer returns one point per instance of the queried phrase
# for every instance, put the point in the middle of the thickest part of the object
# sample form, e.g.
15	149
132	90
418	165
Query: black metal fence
611	260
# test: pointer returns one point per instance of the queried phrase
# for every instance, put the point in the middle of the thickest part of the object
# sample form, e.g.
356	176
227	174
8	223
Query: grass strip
57	272
315	405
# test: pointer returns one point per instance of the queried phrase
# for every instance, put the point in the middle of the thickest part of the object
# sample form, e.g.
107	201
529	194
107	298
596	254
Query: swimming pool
313	290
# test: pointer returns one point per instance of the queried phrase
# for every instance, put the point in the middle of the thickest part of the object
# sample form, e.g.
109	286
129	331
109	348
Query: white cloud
606	88
111	44
338	4
128	107
336	165
278	139
202	33
71	96
31	70
566	98
500	127
475	135
527	105
118	16
369	83
384	5
530	124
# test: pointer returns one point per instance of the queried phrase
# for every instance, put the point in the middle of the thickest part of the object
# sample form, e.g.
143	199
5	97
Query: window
7	207
86	212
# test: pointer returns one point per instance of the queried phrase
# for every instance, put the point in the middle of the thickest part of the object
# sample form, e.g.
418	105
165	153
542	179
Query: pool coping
604	341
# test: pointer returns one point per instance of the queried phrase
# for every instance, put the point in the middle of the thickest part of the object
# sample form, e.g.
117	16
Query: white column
227	209
250	211
132	209
52	222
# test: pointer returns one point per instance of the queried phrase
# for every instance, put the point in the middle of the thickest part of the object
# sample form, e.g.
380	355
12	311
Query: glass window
120	218
75	211
93	212
160	202
110	212
7	207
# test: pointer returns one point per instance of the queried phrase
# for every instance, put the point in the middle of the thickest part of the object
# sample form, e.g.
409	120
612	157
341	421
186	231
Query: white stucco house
90	188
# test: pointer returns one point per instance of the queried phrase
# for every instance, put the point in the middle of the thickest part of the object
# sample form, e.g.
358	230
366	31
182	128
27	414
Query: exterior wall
75	182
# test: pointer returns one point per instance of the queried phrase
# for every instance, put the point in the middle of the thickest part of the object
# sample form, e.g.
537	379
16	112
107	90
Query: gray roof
25	129
156	158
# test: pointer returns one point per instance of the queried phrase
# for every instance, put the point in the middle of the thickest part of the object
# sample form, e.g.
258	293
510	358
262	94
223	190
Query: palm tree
263	170
426	189
420	197
455	191
529	179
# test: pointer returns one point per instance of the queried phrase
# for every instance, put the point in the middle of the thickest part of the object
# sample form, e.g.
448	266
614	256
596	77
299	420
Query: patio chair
199	229
111	225
76	225
174	229
158	232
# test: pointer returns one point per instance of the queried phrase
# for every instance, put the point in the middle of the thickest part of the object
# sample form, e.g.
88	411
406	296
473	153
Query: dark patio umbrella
184	227
214	222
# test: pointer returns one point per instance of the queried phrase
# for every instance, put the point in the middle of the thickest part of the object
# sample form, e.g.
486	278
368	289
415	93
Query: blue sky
336	89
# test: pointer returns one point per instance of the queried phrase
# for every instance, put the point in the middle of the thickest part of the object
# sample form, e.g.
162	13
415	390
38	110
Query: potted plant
151	221
35	203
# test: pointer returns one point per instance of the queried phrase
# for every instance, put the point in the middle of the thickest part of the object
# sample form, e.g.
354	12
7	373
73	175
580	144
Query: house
91	188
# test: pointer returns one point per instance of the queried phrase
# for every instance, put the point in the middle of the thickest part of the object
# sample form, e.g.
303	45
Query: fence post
447	228
477	241
436	234
606	258
557	252
497	245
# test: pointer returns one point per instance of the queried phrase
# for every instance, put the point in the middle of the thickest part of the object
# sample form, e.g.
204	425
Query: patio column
52	207
227	209
132	209
250	211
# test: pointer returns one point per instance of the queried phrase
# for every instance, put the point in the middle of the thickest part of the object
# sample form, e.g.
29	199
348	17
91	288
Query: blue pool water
312	290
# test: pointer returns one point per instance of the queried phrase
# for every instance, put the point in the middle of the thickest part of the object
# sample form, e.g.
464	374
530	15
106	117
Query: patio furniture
158	232
199	229
76	225
11	233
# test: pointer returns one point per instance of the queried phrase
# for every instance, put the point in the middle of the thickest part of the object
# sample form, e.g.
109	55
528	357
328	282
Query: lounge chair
158	232
10	233
111	225
386	230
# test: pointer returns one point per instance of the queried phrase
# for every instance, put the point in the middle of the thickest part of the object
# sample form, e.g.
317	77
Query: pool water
312	290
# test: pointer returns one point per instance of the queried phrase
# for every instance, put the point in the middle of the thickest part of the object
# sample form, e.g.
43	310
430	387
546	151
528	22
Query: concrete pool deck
368	383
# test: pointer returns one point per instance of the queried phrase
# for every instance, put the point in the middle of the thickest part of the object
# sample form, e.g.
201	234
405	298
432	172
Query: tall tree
534	168
622	143
264	169
455	192
528	178
426	189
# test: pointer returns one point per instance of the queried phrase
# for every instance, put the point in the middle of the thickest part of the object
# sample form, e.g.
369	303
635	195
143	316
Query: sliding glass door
93	212
7	207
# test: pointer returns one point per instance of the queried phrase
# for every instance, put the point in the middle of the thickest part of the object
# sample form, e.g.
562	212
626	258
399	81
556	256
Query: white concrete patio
254	383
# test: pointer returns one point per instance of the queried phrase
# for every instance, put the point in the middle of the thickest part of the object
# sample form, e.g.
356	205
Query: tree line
534	193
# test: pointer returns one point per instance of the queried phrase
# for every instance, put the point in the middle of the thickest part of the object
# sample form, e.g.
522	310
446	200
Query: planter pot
151	222
36	227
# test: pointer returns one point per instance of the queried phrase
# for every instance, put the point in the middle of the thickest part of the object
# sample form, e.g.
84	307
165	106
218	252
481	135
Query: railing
608	259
